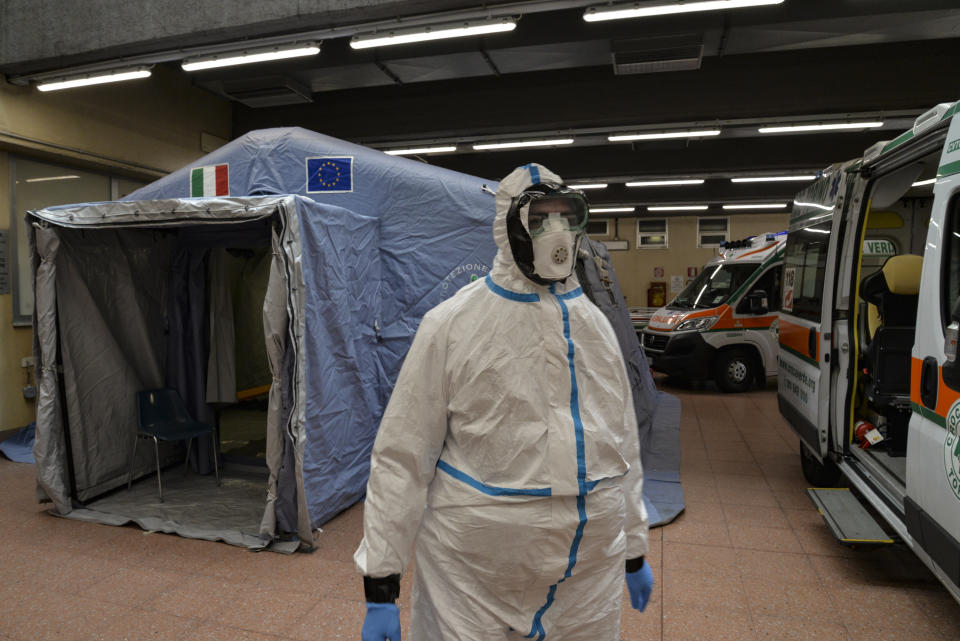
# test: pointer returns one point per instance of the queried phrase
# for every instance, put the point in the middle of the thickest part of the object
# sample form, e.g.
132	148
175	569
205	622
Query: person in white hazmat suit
508	453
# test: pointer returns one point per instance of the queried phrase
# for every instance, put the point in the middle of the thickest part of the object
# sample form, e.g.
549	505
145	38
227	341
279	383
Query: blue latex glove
640	584
382	623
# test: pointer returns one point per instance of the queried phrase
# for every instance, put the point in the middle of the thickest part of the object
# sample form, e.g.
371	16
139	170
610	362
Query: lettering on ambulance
799	382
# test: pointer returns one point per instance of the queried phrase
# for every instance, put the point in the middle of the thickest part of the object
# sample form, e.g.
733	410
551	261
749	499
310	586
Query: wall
142	130
634	267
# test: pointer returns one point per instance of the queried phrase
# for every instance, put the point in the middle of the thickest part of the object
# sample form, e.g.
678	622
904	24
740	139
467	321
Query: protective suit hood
505	271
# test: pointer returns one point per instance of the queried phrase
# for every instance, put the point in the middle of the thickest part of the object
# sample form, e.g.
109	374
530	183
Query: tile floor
749	560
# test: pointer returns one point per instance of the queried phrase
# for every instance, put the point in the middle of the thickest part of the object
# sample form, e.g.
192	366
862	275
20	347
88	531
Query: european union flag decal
329	174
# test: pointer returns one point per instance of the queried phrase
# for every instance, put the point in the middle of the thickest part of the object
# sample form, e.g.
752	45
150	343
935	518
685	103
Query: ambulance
723	325
869	377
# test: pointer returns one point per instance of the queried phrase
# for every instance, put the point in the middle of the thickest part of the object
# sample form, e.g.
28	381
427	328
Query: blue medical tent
130	296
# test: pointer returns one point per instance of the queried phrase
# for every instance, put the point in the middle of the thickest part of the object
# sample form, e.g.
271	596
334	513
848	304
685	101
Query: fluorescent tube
114	76
609	210
524	143
247	57
420	150
664	135
48	178
643	10
782	129
771	179
678	208
760	206
589	186
423	34
921	183
665	183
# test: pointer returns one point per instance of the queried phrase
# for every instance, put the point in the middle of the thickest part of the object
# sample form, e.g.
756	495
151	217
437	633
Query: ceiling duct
653	55
272	91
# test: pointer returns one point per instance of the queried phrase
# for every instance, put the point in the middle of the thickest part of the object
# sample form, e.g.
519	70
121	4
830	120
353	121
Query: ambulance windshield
713	286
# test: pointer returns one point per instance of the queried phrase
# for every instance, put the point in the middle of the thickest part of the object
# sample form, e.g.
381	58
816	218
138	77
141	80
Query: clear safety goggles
554	210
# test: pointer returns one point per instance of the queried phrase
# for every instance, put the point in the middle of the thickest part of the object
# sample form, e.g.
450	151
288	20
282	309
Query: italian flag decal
210	181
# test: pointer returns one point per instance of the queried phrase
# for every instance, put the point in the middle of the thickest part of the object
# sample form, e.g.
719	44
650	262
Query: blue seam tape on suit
492	490
509	295
534	173
537	628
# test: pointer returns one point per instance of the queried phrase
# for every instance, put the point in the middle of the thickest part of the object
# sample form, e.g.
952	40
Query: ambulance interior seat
888	318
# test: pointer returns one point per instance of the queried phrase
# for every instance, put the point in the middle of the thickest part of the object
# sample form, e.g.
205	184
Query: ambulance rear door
803	377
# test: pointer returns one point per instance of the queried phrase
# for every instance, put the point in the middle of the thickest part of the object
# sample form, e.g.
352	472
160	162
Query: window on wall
652	233
598	227
711	231
36	185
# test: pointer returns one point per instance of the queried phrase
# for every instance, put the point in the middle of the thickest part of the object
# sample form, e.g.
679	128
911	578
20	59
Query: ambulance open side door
805	326
932	503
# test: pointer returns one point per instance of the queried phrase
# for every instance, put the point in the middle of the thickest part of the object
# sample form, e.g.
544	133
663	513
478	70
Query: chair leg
133	460
186	463
216	465
156	451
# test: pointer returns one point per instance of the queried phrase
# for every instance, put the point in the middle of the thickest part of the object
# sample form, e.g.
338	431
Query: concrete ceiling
801	61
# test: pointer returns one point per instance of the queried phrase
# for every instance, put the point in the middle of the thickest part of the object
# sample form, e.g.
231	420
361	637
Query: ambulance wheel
734	370
818	474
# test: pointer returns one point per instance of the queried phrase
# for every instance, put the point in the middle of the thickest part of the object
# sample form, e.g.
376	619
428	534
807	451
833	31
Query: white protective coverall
509	453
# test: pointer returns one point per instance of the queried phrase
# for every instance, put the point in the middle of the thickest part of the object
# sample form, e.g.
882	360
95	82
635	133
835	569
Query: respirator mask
544	225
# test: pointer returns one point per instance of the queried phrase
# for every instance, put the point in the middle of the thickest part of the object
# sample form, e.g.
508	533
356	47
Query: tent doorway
168	302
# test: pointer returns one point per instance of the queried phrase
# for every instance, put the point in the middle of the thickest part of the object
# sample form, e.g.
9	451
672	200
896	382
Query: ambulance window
770	284
950	281
804	267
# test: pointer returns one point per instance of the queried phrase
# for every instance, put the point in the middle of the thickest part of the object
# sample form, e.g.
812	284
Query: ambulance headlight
697	324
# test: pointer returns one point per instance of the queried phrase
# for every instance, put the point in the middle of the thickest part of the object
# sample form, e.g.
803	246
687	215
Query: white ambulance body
868	375
723	324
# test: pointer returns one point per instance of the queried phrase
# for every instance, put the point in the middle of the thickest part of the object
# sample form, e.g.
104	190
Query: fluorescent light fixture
647	9
589	186
420	150
609	210
678	208
82	81
758	206
665	183
786	129
48	178
524	143
697	133
437	32
921	183
246	57
772	179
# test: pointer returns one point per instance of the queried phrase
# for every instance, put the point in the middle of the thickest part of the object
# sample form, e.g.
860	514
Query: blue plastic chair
162	416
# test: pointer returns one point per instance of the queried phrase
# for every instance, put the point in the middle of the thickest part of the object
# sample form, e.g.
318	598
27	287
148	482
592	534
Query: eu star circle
329	173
